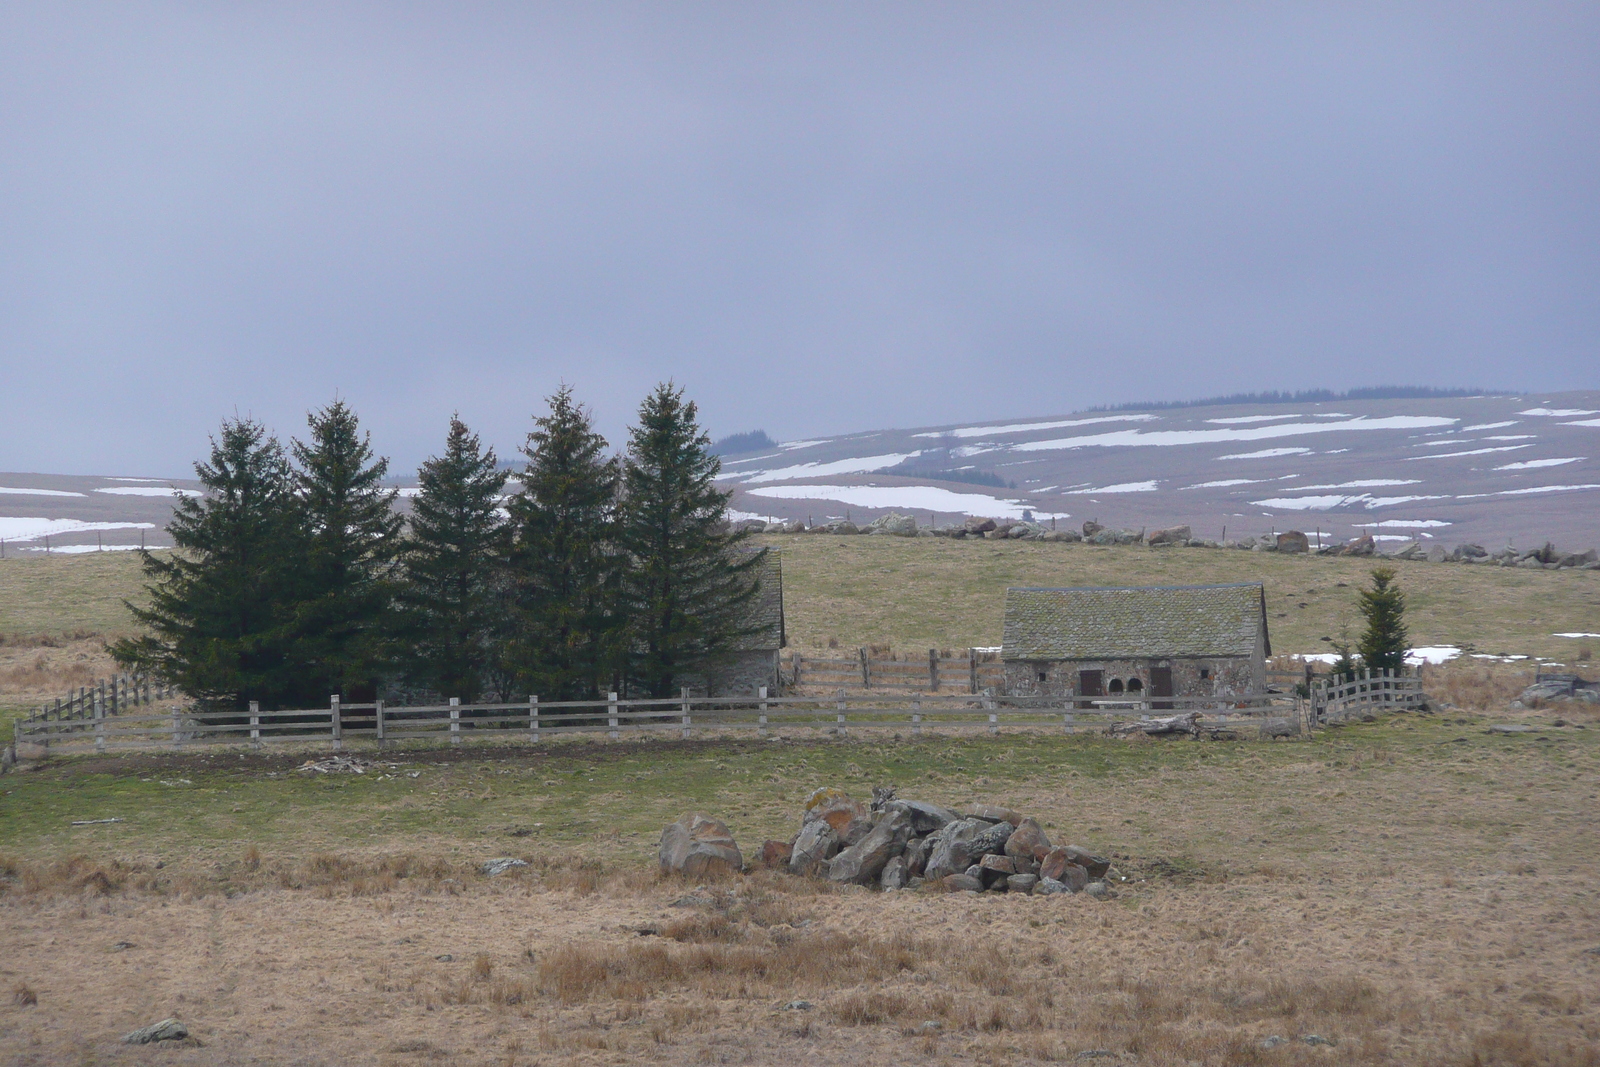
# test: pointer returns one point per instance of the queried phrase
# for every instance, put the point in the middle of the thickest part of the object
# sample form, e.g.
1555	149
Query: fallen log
1187	723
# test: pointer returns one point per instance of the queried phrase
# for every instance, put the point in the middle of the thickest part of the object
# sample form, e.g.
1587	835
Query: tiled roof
765	608
1152	621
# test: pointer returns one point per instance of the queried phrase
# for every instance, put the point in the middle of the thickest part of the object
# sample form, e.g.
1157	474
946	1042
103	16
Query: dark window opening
1135	686
1115	686
1044	676
1205	672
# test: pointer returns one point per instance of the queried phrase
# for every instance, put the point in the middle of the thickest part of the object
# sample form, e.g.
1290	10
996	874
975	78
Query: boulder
816	845
1577	559
916	855
958	883
1022	883
849	818
1089	861
994	813
1090	529
1074	877
1411	551
1114	537
1294	542
846	527
776	854
1098	890
165	1030
698	845
501	865
1361	546
992	839
894	524
863	862
925	818
894	874
1437	553
1002	864
1470	552
979	526
1028	842
794	526
952	849
1049	887
1172	535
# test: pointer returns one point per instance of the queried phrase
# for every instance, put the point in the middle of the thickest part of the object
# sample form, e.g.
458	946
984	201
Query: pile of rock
901	844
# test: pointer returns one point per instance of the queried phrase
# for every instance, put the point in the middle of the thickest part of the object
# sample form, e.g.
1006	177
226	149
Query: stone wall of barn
1225	676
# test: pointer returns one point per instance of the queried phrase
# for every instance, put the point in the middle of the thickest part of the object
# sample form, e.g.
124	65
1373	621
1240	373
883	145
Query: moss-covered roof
1149	621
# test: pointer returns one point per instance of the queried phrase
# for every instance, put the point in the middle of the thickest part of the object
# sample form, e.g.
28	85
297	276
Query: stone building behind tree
752	660
1136	643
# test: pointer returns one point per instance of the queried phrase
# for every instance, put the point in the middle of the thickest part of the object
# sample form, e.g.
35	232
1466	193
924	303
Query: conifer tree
1383	644
565	566
686	589
454	563
218	604
352	539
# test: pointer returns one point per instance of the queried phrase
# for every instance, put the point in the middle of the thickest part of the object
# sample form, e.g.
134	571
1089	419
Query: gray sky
819	218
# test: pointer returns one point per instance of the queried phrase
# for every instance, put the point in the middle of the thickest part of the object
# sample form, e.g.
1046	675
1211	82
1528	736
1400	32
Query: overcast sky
818	218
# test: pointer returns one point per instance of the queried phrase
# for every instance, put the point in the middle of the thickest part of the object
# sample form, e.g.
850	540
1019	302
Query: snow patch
1577	634
906	498
1558	413
1269	453
1470	452
1253	418
1125	487
1582	422
1028	427
1327	503
1404	522
1489	426
1366	483
1545	489
1530	464
1224	483
857	465
149	490
1432	655
74	550
37	492
16	528
1252	433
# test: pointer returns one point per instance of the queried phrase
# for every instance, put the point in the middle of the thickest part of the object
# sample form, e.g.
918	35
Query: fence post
611	715
761	695
455	720
377	713
797	668
866	671
916	714
533	716
114	706
255	723
933	670
972	671
838	729
336	721
99	726
686	726
177	736
99	700
1067	722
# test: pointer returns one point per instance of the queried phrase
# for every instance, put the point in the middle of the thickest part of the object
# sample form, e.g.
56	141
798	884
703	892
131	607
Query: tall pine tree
218	605
1383	643
686	589
454	563
564	561
352	539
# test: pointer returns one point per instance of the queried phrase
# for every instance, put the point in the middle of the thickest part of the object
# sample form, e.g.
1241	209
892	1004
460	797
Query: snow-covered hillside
1486	469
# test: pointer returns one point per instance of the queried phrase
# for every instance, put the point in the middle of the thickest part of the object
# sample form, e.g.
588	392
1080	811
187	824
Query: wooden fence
971	673
340	724
1365	693
111	697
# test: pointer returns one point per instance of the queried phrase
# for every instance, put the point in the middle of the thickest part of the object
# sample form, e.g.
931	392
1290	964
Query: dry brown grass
36	669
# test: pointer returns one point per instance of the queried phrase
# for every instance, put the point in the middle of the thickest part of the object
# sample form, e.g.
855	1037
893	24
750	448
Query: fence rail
533	720
1334	700
969	673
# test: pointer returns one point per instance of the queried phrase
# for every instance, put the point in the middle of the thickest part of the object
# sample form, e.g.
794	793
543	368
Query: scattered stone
1090	529
1318	1039
1437	554
341	764
816	845
798	1005
957	883
894	524
165	1030
776	853
122	946
979	526
445	958
1096	1054
1049	887
1274	1041
929	1026
1095	865
1022	883
863	862
1099	890
1028	841
1509	728
697	899
697	845
501	865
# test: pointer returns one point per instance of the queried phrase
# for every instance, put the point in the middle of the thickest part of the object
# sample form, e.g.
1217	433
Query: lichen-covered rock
816	845
698	845
1022	883
894	874
992	838
1049	887
776	854
849	818
165	1030
957	883
994	813
1095	864
925	818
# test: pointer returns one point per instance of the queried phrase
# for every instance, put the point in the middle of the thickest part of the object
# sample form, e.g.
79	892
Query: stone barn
1141	643
753	661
